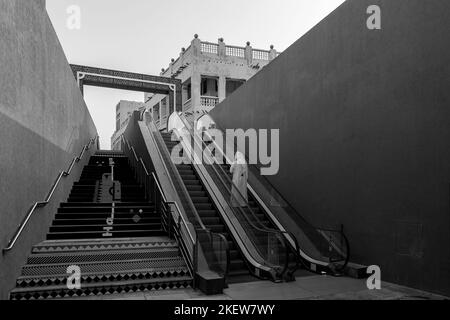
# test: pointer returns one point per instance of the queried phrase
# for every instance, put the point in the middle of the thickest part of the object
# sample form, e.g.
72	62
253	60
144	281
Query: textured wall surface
44	123
365	133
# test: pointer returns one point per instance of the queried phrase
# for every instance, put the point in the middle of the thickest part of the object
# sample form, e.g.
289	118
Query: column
222	88
196	81
196	45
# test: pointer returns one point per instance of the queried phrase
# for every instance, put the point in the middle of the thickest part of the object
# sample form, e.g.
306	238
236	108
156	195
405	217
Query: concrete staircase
117	246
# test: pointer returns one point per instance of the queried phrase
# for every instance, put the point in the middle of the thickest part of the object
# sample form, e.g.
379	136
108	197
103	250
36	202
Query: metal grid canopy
115	79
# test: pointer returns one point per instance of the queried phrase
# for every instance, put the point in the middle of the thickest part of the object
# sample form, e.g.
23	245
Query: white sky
143	35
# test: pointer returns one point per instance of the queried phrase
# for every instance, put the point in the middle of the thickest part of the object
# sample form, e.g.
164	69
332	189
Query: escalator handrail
347	245
295	244
262	228
176	173
245	250
272	187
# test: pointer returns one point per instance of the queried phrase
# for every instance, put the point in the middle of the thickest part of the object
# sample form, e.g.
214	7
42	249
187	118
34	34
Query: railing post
158	203
272	53
170	224
195	264
222	49
147	198
249	54
196	45
153	191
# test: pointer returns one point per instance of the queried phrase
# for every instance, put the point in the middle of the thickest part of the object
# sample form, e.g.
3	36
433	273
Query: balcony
209	102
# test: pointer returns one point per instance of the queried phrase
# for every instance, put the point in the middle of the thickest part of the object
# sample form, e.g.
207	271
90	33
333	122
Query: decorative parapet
209	102
236	51
233	51
261	55
219	49
209	47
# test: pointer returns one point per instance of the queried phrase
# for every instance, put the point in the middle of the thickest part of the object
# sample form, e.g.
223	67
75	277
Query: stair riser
96	290
99	235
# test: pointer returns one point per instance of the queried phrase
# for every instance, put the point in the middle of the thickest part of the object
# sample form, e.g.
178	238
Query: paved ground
305	288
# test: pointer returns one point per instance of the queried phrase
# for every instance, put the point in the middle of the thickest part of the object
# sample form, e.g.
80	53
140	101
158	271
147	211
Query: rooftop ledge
221	50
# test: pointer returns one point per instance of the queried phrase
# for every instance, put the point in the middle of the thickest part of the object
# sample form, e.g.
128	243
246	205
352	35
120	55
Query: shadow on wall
44	123
363	118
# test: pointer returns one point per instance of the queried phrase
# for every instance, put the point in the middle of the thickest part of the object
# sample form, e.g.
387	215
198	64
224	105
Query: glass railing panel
319	244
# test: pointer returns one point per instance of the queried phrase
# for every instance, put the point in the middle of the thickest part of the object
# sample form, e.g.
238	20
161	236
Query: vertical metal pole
169	221
194	276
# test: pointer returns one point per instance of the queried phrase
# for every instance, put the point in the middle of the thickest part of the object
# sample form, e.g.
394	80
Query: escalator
255	250
320	250
253	240
256	213
209	213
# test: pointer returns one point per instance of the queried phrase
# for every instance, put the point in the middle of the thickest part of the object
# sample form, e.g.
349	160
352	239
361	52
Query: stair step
116	204
99	227
200	200
103	256
99	234
102	244
99	221
106	210
94	289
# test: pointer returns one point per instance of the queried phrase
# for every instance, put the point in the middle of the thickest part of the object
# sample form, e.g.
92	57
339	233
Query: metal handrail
181	218
40	204
139	160
182	186
165	205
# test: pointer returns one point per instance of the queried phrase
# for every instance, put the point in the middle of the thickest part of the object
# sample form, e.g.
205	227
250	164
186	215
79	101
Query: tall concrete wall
44	123
365	133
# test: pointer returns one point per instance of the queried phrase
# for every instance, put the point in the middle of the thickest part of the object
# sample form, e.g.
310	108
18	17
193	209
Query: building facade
124	109
210	72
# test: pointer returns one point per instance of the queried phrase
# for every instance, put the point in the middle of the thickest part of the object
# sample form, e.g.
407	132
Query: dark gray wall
365	133
44	123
